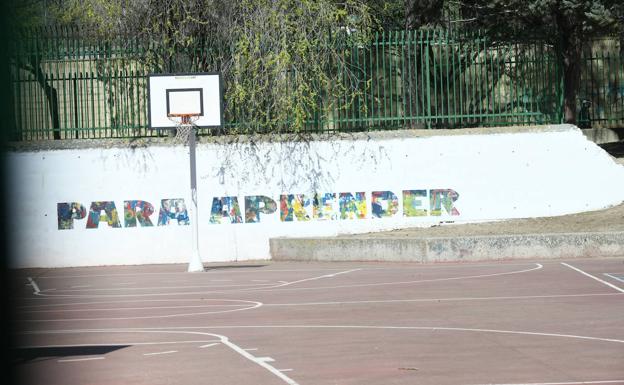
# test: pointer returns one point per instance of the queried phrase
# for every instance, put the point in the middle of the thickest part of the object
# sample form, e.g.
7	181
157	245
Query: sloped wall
127	203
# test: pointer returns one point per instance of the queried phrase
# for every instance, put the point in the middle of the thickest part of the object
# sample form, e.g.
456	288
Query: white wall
498	174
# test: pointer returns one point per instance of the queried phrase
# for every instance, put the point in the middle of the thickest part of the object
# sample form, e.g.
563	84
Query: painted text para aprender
291	207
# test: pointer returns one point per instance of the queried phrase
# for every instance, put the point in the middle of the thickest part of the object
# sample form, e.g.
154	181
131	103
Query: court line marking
451	299
113	302
209	345
286	283
565	383
34	285
81	359
82	288
223	339
118	344
186	329
256	304
126	308
159	353
614	277
414	266
593	277
538	266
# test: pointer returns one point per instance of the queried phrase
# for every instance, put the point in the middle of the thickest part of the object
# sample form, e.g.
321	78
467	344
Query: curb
449	249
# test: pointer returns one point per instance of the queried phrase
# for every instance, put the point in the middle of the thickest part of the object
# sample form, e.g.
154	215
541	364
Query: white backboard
198	93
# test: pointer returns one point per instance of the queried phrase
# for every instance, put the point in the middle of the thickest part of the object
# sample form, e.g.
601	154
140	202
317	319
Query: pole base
195	264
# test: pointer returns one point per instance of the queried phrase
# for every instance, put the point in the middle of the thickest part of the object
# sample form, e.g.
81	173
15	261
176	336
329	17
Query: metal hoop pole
195	264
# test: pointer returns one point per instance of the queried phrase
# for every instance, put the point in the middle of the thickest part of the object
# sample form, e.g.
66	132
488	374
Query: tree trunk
51	96
571	82
410	15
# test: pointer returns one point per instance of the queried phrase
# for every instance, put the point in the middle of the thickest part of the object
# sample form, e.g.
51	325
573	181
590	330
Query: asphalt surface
518	322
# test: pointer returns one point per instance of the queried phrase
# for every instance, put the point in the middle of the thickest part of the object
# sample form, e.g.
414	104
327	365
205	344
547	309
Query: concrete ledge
471	248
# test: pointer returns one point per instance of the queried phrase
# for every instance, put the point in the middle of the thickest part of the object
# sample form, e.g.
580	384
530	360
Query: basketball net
185	123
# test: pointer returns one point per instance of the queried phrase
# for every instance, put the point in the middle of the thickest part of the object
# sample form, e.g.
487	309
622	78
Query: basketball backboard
184	94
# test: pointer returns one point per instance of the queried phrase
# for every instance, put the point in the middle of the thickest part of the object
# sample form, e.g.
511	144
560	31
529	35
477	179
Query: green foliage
285	63
545	19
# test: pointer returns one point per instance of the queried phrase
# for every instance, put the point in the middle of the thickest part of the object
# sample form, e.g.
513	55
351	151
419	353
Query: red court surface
516	322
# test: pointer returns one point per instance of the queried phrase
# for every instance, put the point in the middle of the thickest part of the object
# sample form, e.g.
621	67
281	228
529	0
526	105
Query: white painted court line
34	285
223	339
83	287
282	287
81	359
159	353
265	359
142	300
593	277
187	330
128	308
316	278
614	277
285	370
209	345
251	349
538	266
120	344
252	305
564	383
451	299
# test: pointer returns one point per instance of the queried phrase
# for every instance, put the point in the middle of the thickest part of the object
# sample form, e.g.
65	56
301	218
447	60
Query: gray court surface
516	322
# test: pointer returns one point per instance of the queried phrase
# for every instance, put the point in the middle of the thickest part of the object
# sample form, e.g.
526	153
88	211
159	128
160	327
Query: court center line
593	277
209	345
614	277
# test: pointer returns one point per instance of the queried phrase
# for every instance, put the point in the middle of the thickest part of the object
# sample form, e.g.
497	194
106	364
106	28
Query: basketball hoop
184	126
185	102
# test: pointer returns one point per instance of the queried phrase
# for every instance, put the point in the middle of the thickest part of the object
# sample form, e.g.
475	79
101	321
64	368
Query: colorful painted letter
413	201
352	208
173	209
225	207
323	208
385	204
67	212
256	204
110	215
443	198
140	210
294	204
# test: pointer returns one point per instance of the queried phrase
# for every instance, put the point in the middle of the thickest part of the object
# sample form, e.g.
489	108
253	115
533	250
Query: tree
564	24
280	59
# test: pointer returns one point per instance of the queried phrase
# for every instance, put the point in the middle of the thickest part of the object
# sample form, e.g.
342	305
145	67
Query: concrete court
264	323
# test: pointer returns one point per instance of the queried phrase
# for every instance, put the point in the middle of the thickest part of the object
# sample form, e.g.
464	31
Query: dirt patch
608	220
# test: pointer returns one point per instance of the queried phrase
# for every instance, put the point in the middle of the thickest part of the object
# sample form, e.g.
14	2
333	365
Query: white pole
195	263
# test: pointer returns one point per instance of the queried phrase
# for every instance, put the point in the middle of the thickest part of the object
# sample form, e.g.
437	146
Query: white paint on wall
498	175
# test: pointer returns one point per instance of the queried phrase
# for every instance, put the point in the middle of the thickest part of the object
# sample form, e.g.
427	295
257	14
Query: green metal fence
69	84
